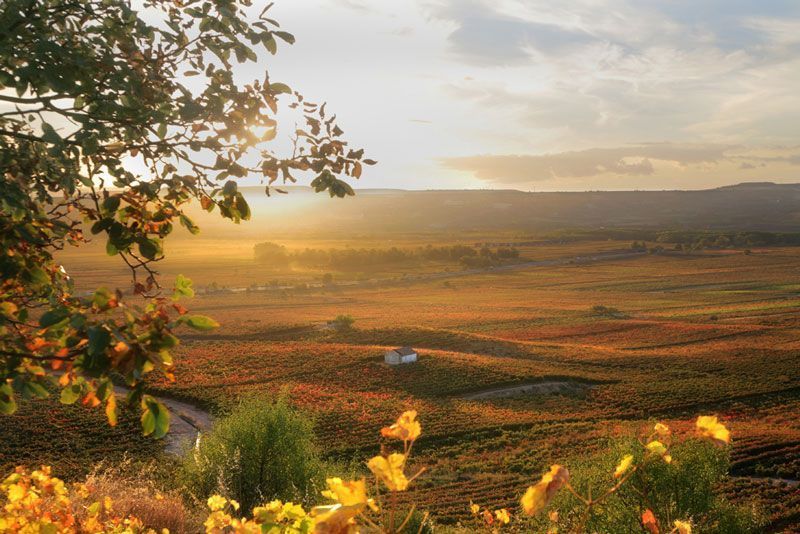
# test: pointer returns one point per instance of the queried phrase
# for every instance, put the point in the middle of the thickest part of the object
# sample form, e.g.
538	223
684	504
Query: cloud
535	84
634	160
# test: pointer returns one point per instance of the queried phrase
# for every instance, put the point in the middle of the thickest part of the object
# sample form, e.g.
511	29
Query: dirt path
186	423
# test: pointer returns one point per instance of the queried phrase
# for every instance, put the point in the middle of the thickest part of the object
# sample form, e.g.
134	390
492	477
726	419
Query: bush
262	451
607	311
135	494
342	323
685	488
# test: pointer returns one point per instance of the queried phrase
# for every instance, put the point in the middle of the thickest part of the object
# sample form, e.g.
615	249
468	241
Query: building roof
404	351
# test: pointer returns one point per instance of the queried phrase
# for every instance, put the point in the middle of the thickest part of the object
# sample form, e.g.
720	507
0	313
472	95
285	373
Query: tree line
346	259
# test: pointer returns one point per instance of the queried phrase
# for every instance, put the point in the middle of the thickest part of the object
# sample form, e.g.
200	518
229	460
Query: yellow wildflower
538	496
293	512
683	527
709	427
502	516
623	466
216	502
271	512
659	449
407	428
474	508
16	492
390	470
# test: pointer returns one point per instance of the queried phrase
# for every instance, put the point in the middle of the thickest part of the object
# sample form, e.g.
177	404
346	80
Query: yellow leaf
659	449
407	428
16	492
390	470
502	516
709	427
334	519
683	527
353	493
538	496
624	465
474	508
111	409
216	502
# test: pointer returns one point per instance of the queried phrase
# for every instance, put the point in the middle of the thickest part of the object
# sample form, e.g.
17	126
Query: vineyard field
651	337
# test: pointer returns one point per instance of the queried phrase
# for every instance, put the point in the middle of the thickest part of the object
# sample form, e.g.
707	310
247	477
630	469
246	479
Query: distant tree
271	254
111	124
343	323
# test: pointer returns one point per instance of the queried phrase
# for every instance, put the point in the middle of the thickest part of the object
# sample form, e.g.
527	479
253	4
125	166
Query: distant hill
749	206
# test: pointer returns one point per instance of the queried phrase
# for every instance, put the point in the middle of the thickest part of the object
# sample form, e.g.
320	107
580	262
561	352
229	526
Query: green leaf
201	322
111	204
39	276
189	224
230	188
7	403
155	417
99	338
148	248
183	288
35	389
50	135
270	44
101	297
148	422
162	130
279	88
286	36
242	207
51	317
70	394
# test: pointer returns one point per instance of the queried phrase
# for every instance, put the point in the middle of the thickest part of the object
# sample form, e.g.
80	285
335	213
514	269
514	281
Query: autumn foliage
38	502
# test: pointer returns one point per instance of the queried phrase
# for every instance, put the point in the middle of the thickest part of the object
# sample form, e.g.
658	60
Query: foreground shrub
37	502
261	451
135	495
678	483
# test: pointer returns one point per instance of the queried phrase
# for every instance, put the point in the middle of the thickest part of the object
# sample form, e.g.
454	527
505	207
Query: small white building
400	355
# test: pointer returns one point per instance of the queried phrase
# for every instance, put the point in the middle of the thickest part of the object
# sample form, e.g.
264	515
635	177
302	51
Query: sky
543	95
